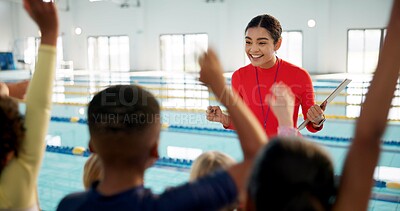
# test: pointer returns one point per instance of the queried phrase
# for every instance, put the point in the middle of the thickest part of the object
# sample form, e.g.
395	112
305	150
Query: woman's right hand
211	74
214	114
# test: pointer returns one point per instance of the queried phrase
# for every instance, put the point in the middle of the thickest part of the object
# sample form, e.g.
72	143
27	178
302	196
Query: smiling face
260	47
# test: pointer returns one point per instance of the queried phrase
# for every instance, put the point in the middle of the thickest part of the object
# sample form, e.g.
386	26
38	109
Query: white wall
179	16
6	26
352	14
324	46
103	18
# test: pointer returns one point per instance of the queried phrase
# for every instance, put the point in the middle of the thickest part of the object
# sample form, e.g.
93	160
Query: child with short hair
124	125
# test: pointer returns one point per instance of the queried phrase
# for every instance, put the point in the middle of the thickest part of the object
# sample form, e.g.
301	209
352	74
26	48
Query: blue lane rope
225	132
181	164
177	164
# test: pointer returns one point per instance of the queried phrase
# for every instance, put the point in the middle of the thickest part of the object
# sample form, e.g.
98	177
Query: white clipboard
328	99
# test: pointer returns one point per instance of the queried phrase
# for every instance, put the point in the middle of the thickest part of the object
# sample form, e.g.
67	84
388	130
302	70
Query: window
180	52
108	53
31	46
197	96
172	52
363	49
394	112
31	50
356	96
291	49
362	57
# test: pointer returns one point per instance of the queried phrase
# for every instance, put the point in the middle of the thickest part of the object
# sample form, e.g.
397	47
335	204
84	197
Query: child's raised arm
357	179
20	183
249	130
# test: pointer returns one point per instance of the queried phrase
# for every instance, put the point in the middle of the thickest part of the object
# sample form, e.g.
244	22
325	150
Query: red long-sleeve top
244	82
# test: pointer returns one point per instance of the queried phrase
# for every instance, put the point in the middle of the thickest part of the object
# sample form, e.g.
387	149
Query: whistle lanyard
265	117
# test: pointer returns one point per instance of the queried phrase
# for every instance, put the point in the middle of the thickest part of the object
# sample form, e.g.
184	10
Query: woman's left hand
315	114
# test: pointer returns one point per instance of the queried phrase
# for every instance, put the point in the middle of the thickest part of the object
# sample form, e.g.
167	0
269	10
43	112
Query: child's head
12	130
92	171
292	174
124	125
209	162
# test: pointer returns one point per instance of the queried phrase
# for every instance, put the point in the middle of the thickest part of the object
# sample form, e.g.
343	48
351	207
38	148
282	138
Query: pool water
184	101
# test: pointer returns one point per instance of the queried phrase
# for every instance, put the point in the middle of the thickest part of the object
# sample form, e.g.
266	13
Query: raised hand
281	101
211	75
211	72
45	15
357	179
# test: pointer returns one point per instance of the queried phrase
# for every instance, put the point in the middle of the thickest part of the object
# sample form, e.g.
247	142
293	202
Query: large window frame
109	53
367	58
368	65
31	48
184	57
356	96
292	53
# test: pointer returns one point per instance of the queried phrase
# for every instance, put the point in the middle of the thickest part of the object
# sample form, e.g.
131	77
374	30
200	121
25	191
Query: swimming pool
62	174
184	102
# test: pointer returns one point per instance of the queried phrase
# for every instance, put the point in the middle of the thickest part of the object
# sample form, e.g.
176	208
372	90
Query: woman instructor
253	82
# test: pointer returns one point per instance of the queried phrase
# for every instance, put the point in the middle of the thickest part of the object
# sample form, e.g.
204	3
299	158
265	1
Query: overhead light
311	23
78	31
